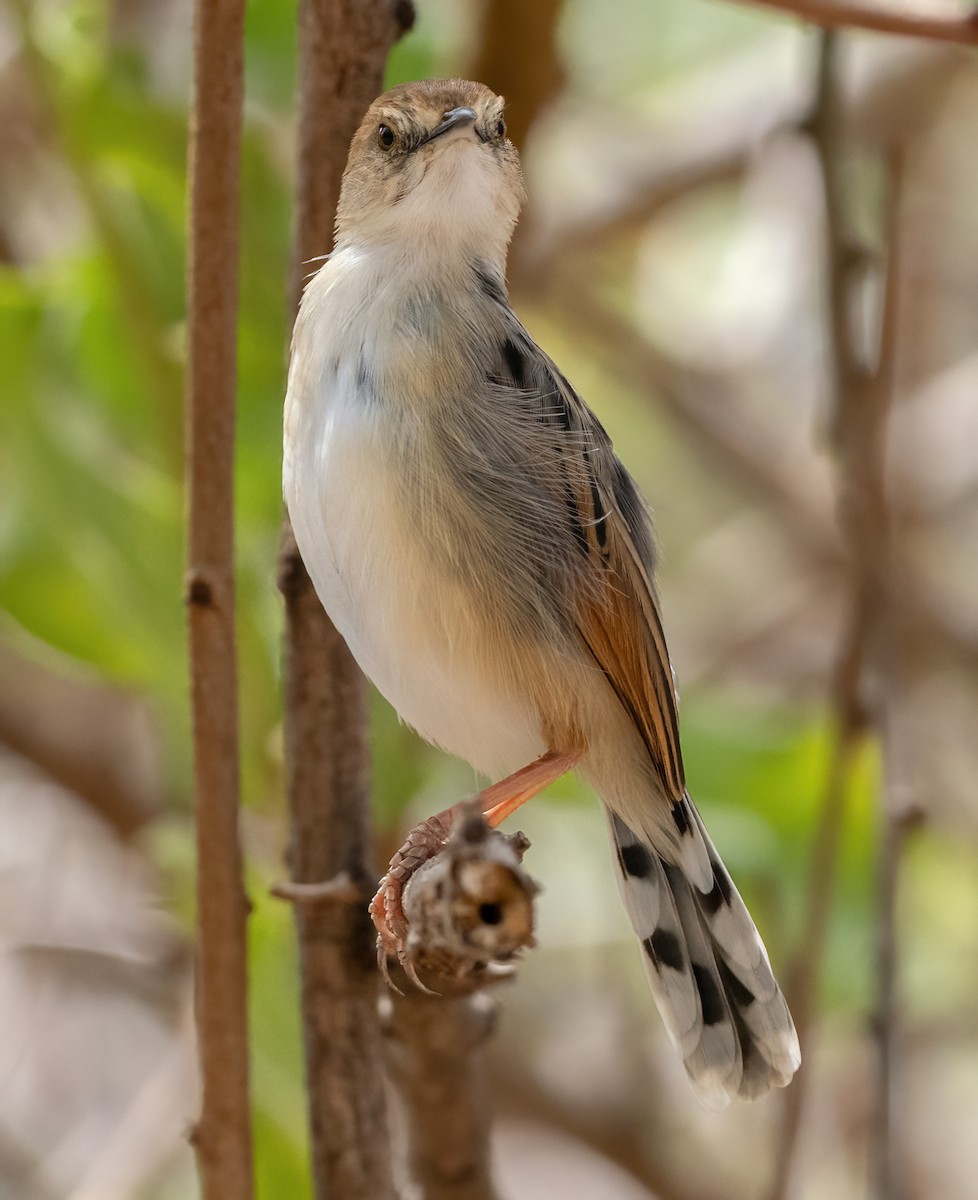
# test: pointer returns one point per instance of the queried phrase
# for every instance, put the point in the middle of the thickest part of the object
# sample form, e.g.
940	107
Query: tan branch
437	1057
961	27
223	1134
896	820
343	48
470	912
862	401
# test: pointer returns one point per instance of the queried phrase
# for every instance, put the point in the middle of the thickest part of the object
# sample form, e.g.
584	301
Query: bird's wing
617	613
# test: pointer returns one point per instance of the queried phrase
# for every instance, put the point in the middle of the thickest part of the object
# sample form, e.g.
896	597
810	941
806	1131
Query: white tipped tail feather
706	964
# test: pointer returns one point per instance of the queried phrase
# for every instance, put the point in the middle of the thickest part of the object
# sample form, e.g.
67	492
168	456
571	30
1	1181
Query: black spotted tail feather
707	966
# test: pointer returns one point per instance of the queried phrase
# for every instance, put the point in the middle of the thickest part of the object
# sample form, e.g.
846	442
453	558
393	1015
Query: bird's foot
386	909
496	803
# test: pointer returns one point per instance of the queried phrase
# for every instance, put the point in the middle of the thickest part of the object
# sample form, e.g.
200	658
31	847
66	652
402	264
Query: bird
475	539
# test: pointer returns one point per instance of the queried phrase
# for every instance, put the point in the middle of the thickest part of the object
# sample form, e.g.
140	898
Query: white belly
414	631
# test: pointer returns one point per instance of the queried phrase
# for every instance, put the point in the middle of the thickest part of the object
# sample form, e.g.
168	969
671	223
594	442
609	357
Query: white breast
414	631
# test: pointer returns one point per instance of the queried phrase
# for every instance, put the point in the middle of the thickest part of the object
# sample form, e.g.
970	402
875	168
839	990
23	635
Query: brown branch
437	1058
223	1134
343	48
895	821
961	27
518	58
862	399
846	390
92	738
469	911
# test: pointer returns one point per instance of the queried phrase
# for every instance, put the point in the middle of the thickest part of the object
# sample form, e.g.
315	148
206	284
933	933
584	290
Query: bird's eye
385	137
501	129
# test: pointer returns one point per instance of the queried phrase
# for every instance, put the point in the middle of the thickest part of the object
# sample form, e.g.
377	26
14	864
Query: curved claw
383	968
411	972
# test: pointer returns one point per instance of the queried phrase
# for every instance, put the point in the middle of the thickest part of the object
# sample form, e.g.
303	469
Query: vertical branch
848	380
894	822
518	57
343	48
223	1134
437	1054
861	403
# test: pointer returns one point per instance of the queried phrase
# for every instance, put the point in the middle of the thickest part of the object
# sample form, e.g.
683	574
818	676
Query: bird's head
431	166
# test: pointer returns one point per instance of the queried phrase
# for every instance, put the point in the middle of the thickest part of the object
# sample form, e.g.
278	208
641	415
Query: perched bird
488	559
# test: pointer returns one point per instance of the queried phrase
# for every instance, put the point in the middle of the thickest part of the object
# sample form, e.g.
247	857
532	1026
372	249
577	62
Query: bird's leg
497	802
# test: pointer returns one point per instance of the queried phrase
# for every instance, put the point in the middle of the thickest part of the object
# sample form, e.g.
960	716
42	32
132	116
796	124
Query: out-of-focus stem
343	47
861	403
223	1134
901	20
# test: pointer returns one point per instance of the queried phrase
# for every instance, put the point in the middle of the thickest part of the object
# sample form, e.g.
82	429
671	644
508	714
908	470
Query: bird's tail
707	966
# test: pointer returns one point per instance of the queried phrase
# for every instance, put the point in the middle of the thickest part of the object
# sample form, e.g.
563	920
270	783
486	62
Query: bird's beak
457	118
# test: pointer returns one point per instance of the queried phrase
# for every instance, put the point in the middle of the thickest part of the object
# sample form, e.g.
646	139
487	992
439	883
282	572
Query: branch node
200	588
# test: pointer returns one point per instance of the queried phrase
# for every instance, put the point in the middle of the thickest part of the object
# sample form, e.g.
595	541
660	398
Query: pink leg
498	801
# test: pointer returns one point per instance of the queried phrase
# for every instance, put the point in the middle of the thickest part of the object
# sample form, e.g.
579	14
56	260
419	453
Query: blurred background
677	260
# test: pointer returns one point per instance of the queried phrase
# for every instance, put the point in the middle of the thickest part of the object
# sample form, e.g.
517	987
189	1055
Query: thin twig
961	27
223	1133
862	399
343	49
894	821
847	382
